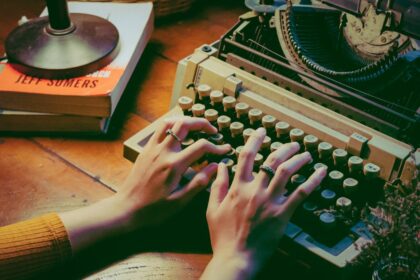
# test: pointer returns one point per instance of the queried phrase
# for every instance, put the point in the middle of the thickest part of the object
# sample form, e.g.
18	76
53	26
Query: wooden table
49	174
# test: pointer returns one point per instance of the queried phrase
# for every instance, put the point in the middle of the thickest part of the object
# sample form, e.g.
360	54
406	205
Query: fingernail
261	130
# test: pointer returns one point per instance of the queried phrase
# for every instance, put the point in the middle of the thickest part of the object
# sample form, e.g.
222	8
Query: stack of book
81	104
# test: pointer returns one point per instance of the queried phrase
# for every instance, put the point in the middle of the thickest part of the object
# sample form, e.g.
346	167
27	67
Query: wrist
231	266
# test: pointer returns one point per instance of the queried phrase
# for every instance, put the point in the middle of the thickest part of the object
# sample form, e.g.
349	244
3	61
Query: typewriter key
311	143
324	152
328	197
327	221
269	123
211	115
216	98
296	180
242	112
296	135
335	179
350	187
259	159
236	130
255	118
247	133
186	104
265	146
216	139
238	151
275	146
355	164
340	159
282	131
371	170
187	142
229	163
229	106
198	110
319	165
343	204
204	94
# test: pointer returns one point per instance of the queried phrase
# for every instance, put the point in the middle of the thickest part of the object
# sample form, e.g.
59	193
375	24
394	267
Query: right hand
246	220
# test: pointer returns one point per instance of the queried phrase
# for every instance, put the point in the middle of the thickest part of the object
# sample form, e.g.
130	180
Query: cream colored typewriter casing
394	157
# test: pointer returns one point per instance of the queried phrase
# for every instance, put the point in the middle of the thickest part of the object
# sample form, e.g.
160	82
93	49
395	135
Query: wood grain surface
41	174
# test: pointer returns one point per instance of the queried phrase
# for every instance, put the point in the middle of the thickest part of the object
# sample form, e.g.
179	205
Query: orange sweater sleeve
33	246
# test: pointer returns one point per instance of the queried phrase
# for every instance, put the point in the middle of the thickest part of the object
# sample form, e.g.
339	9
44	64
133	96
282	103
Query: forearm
229	268
97	222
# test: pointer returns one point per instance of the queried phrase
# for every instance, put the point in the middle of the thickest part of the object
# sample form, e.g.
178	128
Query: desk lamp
62	45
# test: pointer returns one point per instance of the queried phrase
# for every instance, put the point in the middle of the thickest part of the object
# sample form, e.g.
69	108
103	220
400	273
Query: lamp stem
59	14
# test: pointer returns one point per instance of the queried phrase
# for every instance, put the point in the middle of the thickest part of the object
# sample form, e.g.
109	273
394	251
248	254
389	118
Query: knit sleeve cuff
33	246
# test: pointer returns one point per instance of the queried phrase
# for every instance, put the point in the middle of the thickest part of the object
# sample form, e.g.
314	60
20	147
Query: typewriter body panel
255	76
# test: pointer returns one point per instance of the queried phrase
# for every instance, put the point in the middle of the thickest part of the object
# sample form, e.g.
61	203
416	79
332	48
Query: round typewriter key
238	151
198	110
255	117
229	102
350	187
236	128
328	221
241	109
355	164
266	143
231	154
296	135
340	157
296	180
259	159
275	146
223	122
187	142
216	99
204	94
247	133
282	129
233	170
228	162
309	207
211	115
216	96
328	197
268	121
203	90
310	142
325	151
371	170
343	204
336	179
319	165
216	139
185	103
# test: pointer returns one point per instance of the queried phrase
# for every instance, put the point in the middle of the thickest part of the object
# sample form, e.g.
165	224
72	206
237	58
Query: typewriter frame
396	159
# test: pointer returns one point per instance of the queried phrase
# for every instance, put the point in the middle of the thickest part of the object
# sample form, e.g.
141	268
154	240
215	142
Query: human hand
247	220
151	192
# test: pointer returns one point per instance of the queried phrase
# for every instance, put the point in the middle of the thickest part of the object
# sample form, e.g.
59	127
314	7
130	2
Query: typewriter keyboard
330	217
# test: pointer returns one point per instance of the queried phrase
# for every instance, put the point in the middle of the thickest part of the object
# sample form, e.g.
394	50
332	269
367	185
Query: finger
247	155
285	170
160	132
303	191
219	188
197	183
275	159
197	150
183	126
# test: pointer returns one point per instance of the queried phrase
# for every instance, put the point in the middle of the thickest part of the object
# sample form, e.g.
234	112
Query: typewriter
341	77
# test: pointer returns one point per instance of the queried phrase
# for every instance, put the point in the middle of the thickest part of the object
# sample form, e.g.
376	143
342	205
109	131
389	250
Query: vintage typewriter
339	77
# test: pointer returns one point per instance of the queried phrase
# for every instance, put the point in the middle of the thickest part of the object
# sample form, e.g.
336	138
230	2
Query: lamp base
37	50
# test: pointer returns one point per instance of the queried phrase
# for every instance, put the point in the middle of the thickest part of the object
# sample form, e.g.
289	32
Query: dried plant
396	233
